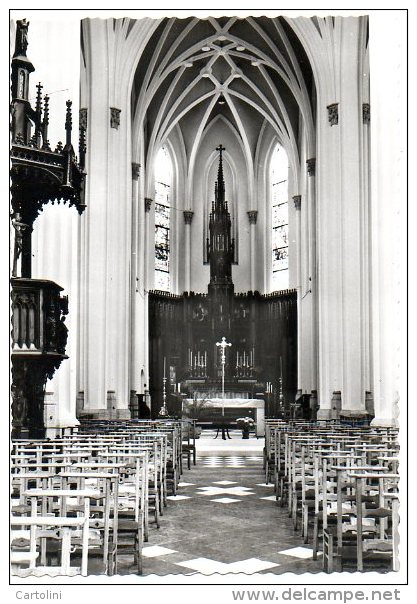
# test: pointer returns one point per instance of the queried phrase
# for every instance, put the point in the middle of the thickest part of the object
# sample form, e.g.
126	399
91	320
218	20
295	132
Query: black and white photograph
208	301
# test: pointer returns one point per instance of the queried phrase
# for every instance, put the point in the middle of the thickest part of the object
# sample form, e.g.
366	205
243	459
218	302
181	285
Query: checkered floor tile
225	500
206	566
230	462
298	552
239	491
154	551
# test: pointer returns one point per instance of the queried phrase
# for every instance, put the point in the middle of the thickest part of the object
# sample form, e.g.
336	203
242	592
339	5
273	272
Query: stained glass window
163	175
279	197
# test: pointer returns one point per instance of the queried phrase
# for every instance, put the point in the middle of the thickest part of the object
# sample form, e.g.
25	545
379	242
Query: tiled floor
224	520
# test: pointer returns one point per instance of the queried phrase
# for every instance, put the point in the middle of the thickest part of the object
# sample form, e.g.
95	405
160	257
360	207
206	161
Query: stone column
149	259
353	247
141	298
253	217
389	217
188	218
105	253
340	243
297	205
312	272
135	284
329	257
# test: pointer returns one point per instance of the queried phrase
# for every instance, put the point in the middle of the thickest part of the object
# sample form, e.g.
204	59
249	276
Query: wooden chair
103	511
45	528
188	447
379	541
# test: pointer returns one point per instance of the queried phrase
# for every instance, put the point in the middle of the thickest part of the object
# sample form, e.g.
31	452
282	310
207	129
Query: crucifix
223	344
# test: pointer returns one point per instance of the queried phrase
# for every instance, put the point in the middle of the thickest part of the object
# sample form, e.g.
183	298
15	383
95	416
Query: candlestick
163	411
281	393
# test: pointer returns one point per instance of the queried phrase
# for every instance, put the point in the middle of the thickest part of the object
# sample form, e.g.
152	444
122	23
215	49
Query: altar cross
223	345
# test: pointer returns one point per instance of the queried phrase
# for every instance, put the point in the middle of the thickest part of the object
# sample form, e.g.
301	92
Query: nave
221	521
127	498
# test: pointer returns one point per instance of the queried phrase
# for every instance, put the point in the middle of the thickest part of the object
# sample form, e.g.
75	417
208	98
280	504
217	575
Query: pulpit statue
19	228
21	37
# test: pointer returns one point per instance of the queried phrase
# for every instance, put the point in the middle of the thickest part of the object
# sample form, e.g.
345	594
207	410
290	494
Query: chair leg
330	555
305	524
157	511
160	496
111	563
139	558
315	537
281	493
146	524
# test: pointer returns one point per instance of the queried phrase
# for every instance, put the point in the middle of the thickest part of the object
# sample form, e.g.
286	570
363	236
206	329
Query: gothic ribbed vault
253	72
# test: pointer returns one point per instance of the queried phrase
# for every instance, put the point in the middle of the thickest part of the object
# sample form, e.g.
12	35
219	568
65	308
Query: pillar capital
333	114
115	117
148	204
188	216
311	166
253	216
297	201
135	171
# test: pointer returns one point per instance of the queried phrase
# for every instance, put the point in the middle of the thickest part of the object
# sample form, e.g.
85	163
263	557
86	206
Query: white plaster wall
55	235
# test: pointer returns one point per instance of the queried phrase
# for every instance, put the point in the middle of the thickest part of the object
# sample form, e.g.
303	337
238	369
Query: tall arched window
279	218
163	180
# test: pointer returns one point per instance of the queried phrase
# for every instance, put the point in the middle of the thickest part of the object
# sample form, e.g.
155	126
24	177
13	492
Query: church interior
205	267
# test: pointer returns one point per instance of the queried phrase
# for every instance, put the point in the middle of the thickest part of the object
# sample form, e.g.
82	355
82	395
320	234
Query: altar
217	404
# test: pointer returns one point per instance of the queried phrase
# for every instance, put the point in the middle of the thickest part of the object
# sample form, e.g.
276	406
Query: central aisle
224	519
